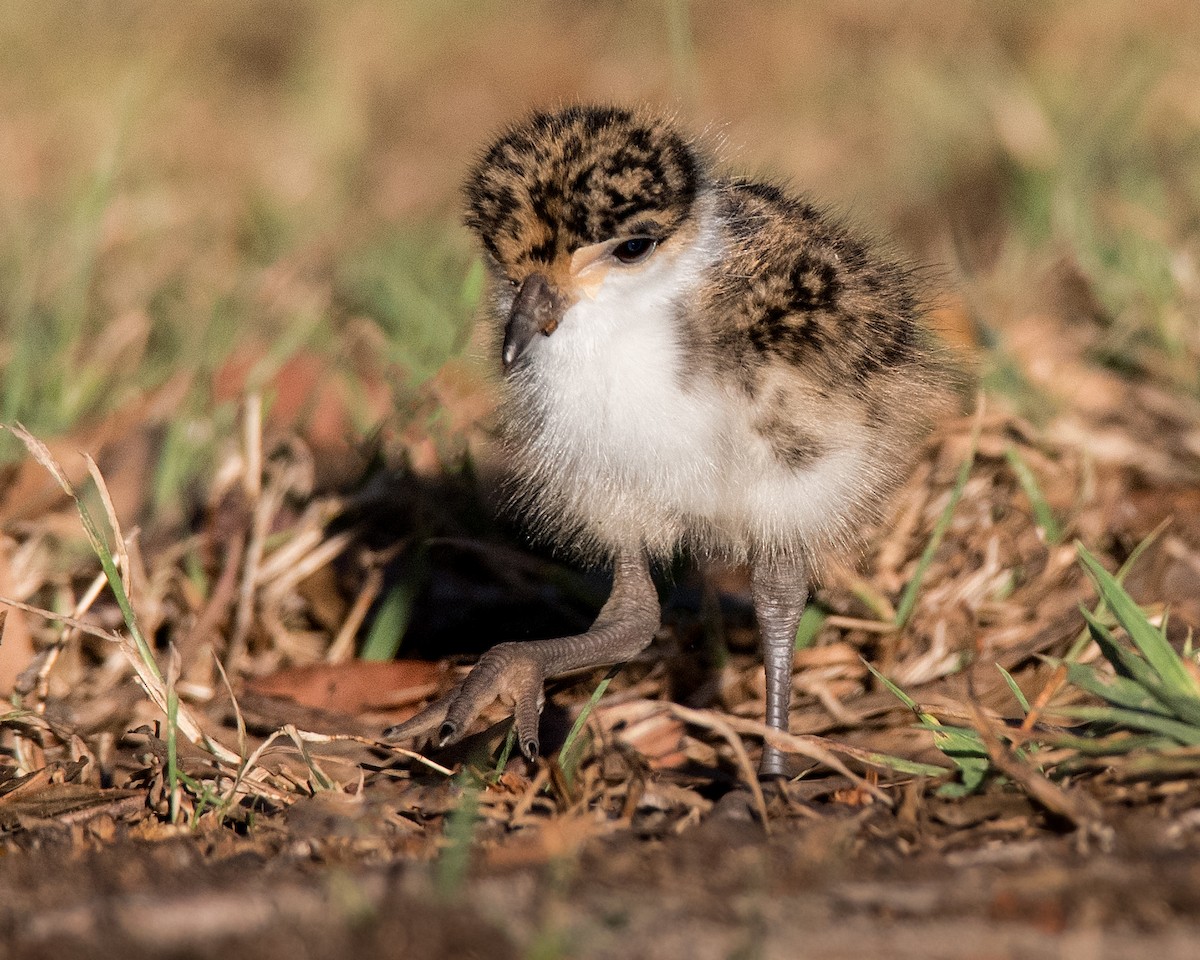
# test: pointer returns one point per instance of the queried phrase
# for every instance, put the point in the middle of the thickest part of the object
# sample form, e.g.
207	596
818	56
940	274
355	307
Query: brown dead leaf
642	726
16	640
355	686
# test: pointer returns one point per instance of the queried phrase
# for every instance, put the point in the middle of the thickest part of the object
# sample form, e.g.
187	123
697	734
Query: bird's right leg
780	592
516	672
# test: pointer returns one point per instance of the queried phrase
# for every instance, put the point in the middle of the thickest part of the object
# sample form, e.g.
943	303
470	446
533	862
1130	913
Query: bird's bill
538	308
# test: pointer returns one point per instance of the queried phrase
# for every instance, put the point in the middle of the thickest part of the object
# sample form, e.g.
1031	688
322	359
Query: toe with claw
515	673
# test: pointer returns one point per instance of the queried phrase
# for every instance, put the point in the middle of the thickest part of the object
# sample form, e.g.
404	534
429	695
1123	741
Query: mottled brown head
560	181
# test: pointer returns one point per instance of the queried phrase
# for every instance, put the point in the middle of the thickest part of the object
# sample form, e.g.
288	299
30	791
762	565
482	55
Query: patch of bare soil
835	883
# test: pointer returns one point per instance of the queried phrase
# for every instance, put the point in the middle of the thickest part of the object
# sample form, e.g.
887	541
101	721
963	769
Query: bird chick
691	361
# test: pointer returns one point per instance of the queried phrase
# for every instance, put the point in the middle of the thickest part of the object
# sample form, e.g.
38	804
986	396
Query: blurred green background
199	200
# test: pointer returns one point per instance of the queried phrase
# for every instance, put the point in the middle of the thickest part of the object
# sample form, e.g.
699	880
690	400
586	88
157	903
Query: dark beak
537	309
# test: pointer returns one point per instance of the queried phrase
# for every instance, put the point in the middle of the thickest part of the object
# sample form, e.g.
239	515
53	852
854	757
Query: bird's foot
513	673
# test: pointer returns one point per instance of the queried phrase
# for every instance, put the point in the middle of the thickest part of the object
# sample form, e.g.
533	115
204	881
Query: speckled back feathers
796	286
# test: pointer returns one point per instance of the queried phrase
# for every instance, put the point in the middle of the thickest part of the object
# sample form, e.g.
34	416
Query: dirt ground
234	228
831	883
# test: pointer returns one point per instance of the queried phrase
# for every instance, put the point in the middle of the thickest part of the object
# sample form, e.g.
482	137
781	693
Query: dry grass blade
137	650
320	778
252	433
243	743
41	453
1055	683
189	726
908	599
247	768
723	726
342	648
402	752
306	553
265	508
114	524
857	623
309	737
815	748
81	625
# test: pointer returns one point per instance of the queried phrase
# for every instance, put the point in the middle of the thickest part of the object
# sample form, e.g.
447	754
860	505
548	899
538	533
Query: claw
513	676
528	698
422	723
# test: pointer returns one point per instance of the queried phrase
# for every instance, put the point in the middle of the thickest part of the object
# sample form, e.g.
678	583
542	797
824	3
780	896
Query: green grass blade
1042	514
1162	765
1127	663
1016	691
965	750
811	622
96	539
505	751
451	872
908	599
1110	746
899	694
173	668
903	765
1182	733
395	614
955	741
1118	690
1150	642
1181	706
572	750
113	577
962	746
1085	636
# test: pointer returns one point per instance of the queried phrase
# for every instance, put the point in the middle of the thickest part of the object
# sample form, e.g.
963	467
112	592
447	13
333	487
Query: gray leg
780	592
515	672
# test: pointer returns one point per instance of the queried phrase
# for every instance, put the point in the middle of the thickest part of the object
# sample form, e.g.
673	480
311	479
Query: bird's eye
635	250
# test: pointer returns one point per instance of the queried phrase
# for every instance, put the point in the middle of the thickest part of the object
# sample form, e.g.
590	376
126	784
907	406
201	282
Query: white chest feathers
614	428
618	442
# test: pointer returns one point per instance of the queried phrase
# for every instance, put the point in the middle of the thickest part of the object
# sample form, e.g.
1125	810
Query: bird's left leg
780	591
516	672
